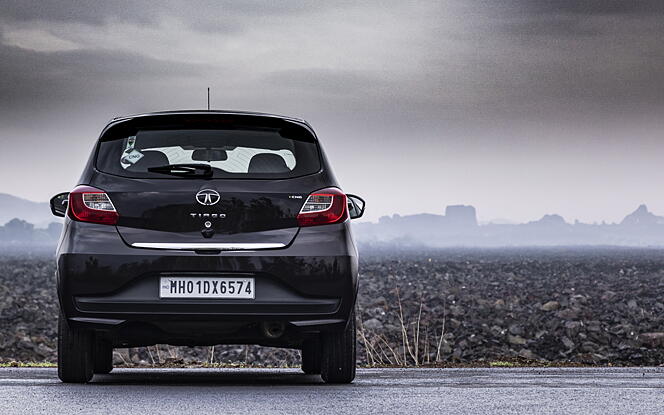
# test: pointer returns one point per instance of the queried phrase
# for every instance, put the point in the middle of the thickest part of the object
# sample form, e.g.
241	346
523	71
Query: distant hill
642	217
37	213
17	233
459	227
27	223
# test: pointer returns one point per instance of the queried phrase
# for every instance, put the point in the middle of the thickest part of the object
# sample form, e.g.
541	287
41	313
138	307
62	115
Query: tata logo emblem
207	197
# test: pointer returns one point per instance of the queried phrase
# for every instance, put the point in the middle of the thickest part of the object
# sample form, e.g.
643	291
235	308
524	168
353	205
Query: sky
518	107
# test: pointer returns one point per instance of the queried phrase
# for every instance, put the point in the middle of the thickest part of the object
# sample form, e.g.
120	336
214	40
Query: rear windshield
233	153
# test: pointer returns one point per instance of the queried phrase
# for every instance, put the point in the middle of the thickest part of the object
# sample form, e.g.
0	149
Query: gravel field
451	306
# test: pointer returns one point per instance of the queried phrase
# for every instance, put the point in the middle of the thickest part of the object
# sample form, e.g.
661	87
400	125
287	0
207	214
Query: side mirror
59	204
355	206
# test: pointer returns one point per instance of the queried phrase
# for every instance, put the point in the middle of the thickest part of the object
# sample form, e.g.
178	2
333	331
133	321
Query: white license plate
206	287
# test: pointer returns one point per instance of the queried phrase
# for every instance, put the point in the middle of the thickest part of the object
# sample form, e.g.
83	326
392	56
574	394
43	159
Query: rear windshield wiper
184	170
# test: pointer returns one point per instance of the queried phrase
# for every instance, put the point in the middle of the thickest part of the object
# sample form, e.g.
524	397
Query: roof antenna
208	99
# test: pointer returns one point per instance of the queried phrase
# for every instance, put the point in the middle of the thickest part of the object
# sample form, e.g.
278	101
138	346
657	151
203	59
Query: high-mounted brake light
88	204
323	207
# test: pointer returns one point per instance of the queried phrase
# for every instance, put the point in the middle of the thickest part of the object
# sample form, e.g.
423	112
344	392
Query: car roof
121	119
201	112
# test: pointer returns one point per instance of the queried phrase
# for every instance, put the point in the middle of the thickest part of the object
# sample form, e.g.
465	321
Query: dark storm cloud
30	77
564	18
556	26
208	15
204	13
524	55
588	7
91	12
561	57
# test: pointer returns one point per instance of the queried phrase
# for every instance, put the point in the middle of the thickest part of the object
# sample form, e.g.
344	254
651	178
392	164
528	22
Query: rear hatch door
258	172
183	214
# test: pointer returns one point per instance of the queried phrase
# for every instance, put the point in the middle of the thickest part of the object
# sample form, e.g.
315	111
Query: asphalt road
383	391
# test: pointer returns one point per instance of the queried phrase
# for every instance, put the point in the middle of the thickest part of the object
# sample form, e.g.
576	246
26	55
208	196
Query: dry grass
27	364
414	350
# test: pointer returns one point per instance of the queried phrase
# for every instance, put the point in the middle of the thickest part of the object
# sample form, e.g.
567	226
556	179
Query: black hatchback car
207	227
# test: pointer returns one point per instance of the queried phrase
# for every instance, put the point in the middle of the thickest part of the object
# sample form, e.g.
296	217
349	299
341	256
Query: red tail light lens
323	207
88	204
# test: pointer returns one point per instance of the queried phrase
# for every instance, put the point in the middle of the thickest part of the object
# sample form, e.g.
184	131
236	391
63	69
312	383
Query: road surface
380	391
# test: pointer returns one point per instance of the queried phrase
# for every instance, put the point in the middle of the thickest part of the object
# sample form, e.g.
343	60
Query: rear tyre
338	349
103	357
311	357
75	350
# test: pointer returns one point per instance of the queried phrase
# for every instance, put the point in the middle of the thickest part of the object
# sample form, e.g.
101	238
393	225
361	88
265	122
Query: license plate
206	287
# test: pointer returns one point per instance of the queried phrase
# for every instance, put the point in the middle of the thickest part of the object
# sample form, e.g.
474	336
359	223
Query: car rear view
203	228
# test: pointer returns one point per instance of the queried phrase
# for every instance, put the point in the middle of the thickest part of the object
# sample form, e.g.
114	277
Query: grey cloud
90	12
527	56
584	7
560	26
49	78
326	81
566	18
204	15
548	58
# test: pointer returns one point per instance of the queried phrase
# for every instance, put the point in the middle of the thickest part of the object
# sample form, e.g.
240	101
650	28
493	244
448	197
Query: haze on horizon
519	108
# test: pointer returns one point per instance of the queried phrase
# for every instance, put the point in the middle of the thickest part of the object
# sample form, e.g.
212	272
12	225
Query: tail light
87	204
323	208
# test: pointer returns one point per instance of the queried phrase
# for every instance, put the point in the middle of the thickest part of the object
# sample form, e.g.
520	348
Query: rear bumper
107	286
273	300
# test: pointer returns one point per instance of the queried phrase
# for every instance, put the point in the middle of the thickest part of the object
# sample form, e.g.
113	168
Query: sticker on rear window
130	155
131	158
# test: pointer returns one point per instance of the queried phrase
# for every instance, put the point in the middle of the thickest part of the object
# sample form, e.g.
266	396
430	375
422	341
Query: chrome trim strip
216	246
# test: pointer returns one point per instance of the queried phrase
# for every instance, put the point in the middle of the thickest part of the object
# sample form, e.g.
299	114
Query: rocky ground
588	306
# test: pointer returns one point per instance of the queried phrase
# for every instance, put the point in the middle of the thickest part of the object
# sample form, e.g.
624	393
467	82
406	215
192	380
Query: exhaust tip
273	329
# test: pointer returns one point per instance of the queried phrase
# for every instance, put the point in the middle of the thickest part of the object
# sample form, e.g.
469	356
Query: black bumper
105	285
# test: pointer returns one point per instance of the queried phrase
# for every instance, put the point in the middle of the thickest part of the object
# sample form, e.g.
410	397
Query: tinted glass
232	153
